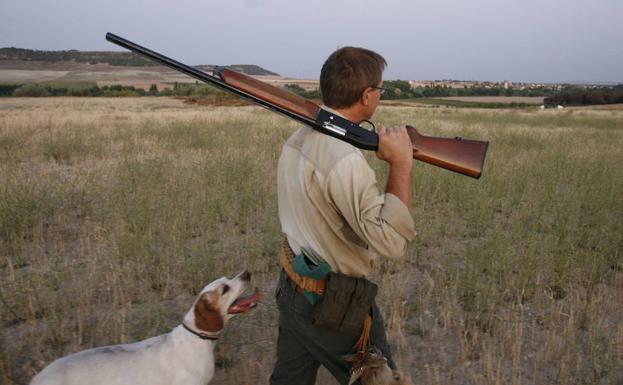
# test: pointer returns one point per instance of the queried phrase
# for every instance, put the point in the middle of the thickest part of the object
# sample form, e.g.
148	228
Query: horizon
572	82
486	40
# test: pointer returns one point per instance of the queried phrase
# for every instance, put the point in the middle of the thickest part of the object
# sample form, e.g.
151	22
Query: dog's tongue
244	304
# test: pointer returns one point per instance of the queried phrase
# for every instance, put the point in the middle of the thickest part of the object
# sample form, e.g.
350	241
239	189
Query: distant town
506	84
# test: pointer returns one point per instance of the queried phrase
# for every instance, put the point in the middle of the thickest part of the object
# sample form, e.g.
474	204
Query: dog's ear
207	315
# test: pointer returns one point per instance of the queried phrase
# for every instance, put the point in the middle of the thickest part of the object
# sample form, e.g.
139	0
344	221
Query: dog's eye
225	288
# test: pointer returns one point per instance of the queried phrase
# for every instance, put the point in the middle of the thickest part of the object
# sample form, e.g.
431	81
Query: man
330	205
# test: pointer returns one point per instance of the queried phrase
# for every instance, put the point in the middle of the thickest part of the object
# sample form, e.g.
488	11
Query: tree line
567	96
394	89
577	96
401	89
117	90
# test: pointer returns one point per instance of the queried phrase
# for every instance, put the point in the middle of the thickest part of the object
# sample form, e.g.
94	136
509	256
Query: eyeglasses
381	89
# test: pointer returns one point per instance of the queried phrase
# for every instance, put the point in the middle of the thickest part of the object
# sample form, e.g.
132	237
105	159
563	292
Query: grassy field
471	102
115	212
537	100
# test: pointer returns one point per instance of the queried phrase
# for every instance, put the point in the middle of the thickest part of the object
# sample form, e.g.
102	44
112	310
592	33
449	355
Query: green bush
31	90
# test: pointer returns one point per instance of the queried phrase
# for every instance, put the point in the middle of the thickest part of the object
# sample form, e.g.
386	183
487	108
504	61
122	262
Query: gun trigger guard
370	123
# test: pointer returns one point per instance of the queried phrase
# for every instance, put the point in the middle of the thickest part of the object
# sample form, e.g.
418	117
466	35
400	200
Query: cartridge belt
286	255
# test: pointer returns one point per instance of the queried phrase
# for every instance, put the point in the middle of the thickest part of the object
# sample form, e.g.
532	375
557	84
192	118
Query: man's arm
381	221
396	149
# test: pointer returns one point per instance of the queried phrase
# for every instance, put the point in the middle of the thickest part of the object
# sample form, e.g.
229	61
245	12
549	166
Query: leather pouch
345	303
360	303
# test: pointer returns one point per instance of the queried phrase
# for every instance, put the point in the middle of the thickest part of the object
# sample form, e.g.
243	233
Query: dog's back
125	364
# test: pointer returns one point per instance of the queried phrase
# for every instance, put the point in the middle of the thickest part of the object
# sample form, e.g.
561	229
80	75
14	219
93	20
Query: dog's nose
245	276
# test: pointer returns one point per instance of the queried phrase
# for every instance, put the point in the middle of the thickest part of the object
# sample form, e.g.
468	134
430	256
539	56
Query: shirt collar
334	112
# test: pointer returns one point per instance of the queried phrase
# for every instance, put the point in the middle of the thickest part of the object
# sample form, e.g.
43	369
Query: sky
496	40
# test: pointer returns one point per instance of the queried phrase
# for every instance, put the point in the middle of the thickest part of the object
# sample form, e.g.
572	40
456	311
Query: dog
185	356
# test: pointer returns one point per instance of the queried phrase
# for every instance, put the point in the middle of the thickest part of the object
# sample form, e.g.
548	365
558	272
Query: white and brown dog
183	356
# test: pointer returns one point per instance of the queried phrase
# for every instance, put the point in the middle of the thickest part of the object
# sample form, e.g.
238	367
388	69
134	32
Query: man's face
373	96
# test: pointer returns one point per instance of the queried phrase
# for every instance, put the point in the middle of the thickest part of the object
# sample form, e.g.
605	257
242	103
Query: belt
317	286
302	283
298	289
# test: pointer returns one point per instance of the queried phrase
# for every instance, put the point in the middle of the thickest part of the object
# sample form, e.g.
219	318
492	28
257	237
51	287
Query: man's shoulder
322	150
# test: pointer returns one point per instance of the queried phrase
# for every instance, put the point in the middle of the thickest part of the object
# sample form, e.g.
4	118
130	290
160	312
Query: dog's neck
194	353
212	336
190	327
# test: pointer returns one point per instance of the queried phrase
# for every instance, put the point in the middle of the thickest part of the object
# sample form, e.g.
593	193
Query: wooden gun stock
459	155
466	157
463	156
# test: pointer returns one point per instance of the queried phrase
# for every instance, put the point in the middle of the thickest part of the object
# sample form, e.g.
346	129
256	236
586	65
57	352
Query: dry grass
114	212
497	99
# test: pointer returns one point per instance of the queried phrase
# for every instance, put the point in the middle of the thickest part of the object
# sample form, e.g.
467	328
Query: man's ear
365	96
207	315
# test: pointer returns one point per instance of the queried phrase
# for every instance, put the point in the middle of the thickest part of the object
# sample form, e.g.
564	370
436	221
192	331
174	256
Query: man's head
348	74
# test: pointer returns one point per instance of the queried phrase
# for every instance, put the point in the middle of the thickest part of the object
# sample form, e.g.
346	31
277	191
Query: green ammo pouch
344	304
304	266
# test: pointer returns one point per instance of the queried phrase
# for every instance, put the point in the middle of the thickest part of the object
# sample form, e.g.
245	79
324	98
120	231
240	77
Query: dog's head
218	302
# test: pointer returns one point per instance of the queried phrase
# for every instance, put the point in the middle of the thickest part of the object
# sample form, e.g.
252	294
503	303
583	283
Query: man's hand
395	148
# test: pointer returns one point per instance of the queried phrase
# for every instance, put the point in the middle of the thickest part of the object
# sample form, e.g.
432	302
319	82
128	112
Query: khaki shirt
329	203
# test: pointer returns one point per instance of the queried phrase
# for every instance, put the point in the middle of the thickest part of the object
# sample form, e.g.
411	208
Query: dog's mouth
244	304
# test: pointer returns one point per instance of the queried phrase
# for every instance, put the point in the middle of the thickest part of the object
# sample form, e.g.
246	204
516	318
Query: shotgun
459	155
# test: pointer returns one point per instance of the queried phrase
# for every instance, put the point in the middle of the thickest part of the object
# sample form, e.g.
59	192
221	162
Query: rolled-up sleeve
382	221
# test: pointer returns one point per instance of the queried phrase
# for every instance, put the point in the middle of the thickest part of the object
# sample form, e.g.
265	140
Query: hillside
249	69
14	57
91	57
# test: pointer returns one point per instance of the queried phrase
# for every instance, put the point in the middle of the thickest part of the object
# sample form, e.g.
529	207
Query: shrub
31	90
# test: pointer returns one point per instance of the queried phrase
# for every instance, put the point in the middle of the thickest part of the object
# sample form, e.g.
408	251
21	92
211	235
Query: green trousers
303	347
